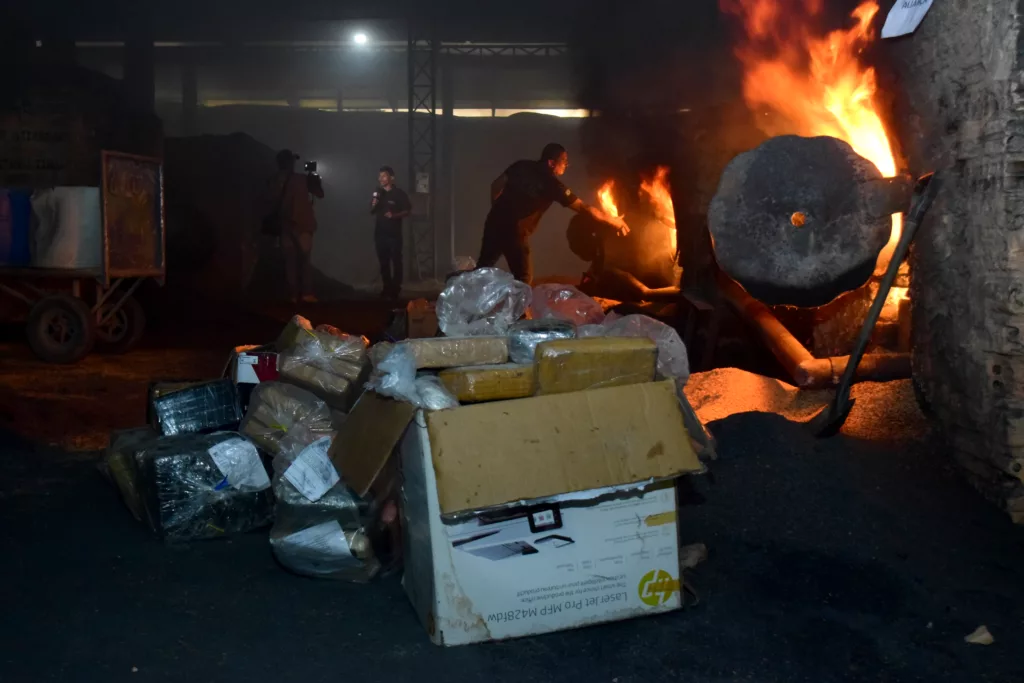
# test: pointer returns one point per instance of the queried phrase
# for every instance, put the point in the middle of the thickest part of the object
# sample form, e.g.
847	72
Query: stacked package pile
331	492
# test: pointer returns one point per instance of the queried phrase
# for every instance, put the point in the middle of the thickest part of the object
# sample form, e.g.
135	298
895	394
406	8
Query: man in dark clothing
290	198
390	205
519	197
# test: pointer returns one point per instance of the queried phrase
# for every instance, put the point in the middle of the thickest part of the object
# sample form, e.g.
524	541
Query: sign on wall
133	215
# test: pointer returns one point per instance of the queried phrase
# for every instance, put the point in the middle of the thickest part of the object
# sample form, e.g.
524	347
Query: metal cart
72	310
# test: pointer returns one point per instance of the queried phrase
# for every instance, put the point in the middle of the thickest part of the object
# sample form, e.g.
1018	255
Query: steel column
422	73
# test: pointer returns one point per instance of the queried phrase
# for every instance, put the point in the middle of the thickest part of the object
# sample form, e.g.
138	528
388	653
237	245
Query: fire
607	200
659	194
815	84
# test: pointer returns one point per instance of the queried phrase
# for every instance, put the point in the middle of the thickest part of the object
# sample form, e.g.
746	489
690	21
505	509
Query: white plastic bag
565	302
395	376
482	302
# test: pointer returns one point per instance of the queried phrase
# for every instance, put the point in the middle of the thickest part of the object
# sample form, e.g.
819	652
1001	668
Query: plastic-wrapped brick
525	335
331	364
203	486
319	524
450	352
195	408
276	408
490	382
580	364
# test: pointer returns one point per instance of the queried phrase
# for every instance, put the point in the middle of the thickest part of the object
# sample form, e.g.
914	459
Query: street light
360	39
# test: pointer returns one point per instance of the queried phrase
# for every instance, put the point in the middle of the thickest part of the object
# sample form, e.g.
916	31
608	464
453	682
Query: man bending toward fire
519	197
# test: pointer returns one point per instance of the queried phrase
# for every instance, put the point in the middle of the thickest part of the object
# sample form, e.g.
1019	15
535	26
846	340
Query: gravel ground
862	557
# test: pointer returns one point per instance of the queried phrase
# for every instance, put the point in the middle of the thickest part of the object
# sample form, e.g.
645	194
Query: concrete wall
351	146
959	110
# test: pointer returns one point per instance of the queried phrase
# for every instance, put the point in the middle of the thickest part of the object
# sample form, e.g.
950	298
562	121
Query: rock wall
958	108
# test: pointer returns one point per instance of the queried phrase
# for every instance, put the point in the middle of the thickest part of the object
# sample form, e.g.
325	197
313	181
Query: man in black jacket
390	205
519	197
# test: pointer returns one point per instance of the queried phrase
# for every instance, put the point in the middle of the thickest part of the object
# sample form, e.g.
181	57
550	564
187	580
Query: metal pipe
807	371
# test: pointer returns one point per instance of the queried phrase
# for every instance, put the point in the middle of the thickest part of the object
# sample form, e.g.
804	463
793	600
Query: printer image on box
525	532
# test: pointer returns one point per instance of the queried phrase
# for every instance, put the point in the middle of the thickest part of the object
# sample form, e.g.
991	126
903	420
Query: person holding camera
292	220
390	204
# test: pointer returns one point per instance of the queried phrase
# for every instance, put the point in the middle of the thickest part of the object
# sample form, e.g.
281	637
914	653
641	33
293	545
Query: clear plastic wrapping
195	408
297	328
276	408
565	302
524	336
321	529
485	301
451	352
202	486
395	376
331	364
701	438
121	466
433	395
672	358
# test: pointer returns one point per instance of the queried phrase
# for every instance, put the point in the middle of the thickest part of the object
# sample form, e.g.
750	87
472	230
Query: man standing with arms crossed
390	205
519	197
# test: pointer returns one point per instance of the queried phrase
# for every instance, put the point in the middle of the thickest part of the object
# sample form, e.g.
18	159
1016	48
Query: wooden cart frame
70	310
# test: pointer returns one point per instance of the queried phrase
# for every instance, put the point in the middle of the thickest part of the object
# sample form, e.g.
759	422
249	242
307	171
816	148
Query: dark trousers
506	240
297	248
389	252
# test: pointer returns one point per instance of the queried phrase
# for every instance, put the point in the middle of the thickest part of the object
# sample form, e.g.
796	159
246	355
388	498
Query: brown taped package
331	364
297	328
276	408
120	461
593	363
451	352
489	382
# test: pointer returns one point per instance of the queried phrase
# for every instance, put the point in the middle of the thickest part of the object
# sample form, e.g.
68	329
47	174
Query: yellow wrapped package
451	352
489	382
593	363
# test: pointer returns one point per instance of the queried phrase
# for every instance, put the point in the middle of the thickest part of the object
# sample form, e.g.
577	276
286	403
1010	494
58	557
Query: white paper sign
905	17
318	550
312	472
239	462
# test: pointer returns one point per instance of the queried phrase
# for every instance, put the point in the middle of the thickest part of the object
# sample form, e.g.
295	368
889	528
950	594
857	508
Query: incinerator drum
799	221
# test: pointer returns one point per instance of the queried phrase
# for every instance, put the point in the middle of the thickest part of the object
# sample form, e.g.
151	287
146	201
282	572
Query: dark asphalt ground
850	559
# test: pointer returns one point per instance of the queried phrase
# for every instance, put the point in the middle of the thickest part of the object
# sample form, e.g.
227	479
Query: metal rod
117	307
807	371
107	291
16	294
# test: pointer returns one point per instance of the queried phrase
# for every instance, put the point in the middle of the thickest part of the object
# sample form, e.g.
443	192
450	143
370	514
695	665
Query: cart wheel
122	331
61	329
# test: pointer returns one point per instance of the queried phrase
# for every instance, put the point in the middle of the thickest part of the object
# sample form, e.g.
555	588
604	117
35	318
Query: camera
313	182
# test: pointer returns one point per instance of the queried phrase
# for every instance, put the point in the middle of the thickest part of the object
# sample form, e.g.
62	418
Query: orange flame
816	85
659	194
604	196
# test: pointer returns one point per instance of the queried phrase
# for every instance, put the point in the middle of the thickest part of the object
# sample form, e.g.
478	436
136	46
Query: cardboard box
249	366
542	514
252	364
421	319
361	452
